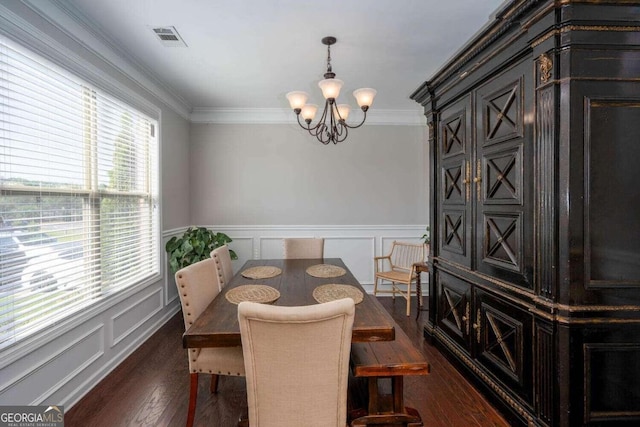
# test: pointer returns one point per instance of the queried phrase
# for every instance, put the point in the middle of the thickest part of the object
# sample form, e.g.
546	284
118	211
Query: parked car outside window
38	261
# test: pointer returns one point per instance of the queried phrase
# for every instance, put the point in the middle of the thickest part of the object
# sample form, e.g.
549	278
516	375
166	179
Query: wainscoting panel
40	371
127	320
355	244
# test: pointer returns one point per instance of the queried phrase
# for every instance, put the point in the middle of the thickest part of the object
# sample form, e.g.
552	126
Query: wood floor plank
151	387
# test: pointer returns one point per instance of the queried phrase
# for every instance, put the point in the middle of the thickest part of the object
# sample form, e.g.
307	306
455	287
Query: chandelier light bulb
364	96
330	88
341	112
309	112
297	99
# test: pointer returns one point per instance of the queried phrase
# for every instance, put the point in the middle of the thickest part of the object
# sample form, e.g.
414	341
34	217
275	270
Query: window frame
98	81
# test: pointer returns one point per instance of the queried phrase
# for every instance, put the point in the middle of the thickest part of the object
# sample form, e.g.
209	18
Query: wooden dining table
218	326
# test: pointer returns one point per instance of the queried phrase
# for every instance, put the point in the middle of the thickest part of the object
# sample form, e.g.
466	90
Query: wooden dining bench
374	364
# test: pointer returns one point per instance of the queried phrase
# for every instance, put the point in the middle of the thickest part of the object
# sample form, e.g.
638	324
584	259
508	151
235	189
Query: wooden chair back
404	255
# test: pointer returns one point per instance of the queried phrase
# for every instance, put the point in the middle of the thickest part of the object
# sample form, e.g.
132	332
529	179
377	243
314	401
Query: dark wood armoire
535	210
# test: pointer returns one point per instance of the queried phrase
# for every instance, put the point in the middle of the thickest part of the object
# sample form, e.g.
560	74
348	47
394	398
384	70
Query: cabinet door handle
467	174
478	178
477	325
466	318
467	180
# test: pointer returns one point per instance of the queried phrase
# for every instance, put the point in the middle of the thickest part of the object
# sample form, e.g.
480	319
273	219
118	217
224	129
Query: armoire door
503	176
454	199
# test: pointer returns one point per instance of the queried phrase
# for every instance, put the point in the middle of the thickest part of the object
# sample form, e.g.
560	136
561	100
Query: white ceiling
250	53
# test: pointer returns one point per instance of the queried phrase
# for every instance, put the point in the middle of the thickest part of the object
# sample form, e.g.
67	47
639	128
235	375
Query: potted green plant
194	245
426	237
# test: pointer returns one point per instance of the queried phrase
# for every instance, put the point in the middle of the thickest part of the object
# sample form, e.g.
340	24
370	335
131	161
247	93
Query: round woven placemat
331	292
261	272
253	293
326	270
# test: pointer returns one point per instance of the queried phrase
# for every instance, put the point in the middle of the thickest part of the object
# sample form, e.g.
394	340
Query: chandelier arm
323	134
320	134
308	127
361	123
341	134
332	126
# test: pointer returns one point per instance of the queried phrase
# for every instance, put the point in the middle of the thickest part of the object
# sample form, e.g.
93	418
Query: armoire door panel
502	335
454	130
454	307
612	194
502	173
503	244
501	111
454	245
455	182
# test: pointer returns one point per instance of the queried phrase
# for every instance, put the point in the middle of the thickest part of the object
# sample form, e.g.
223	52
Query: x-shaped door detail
452	179
501	240
452	230
501	341
502	113
451	132
454	300
502	178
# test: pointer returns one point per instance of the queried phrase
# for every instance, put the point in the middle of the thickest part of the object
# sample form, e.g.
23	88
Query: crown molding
286	116
70	21
87	34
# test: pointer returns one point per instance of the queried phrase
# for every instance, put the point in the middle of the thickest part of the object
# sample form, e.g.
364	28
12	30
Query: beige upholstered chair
222	259
198	286
297	363
397	267
303	248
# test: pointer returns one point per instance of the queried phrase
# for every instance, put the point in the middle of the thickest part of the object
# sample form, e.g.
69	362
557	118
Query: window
79	194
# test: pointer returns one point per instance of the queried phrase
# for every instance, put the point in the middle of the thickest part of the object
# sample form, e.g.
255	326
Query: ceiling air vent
169	37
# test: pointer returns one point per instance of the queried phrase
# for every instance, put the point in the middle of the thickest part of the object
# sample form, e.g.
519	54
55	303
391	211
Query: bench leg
400	415
398	395
408	419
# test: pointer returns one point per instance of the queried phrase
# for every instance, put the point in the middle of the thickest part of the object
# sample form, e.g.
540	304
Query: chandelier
332	126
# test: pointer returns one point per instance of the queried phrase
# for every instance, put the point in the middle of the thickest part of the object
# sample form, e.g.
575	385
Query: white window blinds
79	189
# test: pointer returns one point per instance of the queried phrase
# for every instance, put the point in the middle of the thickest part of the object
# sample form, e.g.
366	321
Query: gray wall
278	174
174	169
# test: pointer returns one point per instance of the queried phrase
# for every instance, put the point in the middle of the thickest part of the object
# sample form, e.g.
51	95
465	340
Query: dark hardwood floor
151	387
